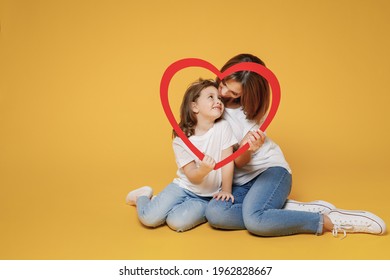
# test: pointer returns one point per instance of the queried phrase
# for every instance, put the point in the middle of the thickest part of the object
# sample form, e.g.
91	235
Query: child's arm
255	139
227	178
196	174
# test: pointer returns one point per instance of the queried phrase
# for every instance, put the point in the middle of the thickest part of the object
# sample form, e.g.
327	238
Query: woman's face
230	89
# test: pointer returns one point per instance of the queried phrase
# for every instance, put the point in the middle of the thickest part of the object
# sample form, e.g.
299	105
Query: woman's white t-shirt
216	139
269	154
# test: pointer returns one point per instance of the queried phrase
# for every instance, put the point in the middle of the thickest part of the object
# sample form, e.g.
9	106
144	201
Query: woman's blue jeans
179	208
258	207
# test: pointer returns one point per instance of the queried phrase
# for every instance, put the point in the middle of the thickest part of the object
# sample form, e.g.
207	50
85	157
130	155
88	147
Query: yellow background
81	122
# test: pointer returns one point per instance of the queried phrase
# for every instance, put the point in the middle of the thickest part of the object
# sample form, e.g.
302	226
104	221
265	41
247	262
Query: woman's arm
243	159
195	173
255	139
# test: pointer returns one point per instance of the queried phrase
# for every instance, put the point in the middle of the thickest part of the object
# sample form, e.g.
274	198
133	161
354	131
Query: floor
85	217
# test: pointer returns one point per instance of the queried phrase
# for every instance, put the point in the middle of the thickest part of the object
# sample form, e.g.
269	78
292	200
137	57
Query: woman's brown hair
255	97
188	118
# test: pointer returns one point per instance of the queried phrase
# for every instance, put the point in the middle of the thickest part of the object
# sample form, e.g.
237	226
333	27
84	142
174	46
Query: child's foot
132	196
318	206
356	221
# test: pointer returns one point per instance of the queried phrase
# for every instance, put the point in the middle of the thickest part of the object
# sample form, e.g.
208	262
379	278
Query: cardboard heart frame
243	66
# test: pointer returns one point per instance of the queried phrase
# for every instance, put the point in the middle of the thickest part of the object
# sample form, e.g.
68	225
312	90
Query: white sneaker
356	221
132	196
317	206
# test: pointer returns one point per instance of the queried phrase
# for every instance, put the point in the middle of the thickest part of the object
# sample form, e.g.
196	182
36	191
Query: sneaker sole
365	214
316	203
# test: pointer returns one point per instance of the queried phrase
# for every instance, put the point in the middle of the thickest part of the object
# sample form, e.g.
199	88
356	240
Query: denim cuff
320	224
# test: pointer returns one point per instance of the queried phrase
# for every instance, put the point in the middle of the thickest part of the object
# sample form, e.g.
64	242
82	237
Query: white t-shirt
269	154
216	139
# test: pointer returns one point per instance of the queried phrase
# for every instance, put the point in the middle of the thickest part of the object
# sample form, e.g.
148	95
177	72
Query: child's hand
207	164
255	139
224	196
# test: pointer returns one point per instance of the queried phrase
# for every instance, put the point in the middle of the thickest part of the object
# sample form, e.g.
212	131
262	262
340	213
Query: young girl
182	204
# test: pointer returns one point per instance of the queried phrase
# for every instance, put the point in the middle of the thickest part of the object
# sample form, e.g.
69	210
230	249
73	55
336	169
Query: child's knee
178	225
181	223
151	220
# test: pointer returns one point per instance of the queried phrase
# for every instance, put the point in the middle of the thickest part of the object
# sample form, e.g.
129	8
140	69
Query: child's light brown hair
188	118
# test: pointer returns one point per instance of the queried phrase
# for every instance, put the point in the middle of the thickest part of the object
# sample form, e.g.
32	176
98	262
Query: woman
262	177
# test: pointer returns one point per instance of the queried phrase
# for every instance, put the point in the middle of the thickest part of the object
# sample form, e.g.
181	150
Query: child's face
230	89
208	104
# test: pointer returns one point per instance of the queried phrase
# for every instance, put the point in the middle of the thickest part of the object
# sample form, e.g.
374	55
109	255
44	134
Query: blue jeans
258	207
181	209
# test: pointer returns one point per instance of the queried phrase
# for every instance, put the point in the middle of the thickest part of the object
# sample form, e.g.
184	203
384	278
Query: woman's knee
215	213
256	225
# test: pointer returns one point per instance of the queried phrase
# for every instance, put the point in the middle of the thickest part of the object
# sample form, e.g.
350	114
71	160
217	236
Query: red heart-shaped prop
244	66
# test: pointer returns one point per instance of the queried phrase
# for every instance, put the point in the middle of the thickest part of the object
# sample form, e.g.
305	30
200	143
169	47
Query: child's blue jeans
181	209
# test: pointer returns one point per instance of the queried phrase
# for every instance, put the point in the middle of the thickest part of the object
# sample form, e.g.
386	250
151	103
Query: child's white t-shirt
216	139
269	154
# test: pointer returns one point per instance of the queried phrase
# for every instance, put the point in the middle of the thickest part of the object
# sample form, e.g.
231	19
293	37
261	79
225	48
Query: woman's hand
224	196
255	139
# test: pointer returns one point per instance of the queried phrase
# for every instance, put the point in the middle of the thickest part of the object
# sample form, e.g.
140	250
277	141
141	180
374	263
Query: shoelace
344	228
